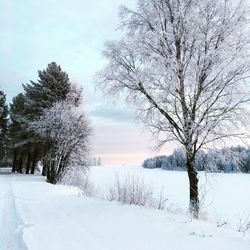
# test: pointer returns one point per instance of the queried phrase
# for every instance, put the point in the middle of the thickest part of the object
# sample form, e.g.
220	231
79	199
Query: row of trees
227	160
46	124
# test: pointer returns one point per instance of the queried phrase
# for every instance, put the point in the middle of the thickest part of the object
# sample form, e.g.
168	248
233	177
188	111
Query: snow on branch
66	130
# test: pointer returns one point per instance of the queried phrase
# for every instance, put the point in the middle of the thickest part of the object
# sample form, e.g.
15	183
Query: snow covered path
10	223
58	218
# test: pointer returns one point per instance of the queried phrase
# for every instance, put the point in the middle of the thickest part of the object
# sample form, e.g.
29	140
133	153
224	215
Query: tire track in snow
92	240
11	235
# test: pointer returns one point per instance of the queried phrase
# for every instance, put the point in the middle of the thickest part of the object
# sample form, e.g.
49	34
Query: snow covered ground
225	197
35	215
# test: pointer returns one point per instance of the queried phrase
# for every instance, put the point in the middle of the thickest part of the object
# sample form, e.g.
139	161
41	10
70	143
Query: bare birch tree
184	64
66	129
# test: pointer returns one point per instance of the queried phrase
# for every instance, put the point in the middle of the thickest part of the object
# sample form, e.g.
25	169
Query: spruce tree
3	126
17	133
52	86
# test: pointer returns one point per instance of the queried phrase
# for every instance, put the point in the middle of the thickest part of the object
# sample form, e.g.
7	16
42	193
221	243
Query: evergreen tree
17	133
52	86
3	126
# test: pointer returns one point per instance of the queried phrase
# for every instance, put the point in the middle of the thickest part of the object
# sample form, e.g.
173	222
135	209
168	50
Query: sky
73	33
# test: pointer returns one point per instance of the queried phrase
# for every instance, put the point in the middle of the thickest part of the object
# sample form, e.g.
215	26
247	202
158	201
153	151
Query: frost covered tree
66	129
184	65
229	159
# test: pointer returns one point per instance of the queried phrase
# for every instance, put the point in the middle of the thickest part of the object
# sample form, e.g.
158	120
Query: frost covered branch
184	65
66	130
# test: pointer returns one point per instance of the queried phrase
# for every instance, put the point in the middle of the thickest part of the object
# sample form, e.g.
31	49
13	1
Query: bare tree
184	65
66	129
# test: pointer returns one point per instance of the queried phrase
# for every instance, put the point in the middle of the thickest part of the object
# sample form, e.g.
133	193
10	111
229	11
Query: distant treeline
231	159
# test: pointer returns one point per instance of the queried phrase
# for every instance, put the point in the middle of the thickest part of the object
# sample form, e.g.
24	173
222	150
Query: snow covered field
35	215
225	197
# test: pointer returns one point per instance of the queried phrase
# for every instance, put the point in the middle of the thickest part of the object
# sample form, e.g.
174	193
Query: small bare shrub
131	189
206	187
204	190
244	224
78	178
161	201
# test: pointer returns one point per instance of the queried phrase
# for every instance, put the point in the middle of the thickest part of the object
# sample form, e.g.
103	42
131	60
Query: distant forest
227	160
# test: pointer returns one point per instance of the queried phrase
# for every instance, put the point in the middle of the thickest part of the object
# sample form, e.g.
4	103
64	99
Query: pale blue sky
71	33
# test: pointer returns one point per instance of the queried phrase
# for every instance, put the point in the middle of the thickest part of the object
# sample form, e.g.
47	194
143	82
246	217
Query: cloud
113	114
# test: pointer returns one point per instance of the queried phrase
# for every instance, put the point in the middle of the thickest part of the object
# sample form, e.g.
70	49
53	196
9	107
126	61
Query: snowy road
35	215
10	223
5	171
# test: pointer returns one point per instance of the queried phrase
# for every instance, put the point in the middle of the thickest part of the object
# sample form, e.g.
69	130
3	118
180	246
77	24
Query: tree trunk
28	164
51	175
44	171
44	162
14	162
34	161
20	164
194	205
51	166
